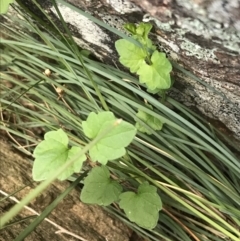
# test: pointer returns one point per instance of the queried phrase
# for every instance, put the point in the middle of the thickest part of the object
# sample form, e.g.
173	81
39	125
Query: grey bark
201	36
204	37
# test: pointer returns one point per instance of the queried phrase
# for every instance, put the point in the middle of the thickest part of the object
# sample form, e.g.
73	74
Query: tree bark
201	36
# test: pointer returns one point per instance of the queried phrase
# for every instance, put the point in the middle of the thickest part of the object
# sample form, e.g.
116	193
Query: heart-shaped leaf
131	55
112	145
52	153
99	188
142	207
156	75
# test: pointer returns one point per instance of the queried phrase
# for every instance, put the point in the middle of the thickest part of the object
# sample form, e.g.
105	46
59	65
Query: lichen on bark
193	34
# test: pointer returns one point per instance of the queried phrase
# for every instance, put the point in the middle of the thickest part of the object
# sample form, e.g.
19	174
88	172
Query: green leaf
150	120
142	207
140	33
131	56
4	4
112	145
99	188
157	75
146	43
143	29
94	123
52	153
150	46
130	27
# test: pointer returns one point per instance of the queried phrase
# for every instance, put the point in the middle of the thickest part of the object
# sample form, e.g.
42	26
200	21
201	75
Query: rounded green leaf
150	120
131	55
94	123
99	188
142	207
157	75
112	145
52	153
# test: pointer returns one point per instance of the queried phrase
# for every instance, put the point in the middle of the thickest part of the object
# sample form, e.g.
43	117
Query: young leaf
95	122
143	207
131	55
140	33
157	75
143	29
52	153
150	120
99	188
146	43
112	145
130	27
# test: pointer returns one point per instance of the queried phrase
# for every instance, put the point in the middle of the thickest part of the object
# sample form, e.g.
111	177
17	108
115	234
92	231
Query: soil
88	222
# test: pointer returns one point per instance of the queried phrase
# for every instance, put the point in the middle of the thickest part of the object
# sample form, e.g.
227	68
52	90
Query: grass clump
51	85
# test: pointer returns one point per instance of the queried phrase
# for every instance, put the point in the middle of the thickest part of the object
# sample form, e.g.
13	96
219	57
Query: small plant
99	188
4	4
141	207
185	161
53	152
151	65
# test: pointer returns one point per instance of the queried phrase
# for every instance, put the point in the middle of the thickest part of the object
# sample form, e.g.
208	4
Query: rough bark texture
87	221
201	36
204	37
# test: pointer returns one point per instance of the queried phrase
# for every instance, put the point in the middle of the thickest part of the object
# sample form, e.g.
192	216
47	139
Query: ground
89	222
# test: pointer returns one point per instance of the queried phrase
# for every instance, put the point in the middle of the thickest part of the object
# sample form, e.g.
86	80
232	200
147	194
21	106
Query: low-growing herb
151	65
142	207
99	188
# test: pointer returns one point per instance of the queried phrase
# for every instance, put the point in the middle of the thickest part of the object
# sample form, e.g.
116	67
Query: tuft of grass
196	174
